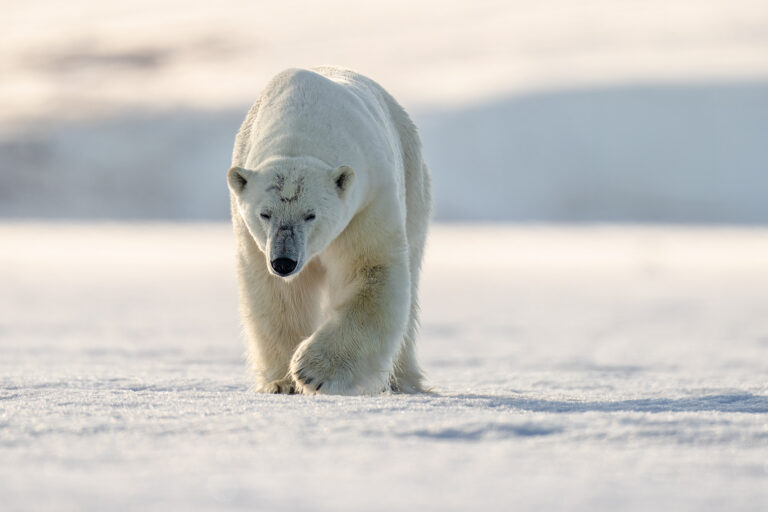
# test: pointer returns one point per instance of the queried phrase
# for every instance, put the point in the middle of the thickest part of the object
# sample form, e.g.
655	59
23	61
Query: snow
574	368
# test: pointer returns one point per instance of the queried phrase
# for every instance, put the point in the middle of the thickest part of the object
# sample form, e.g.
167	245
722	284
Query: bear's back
335	118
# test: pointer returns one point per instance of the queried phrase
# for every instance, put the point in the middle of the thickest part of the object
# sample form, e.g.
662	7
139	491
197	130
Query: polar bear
330	205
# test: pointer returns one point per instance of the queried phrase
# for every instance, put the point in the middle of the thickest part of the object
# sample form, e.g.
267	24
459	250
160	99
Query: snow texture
589	368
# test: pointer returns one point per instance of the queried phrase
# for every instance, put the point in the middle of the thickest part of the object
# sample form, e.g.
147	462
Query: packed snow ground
578	368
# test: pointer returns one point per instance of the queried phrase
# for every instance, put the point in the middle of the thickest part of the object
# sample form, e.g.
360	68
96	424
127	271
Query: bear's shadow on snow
725	403
664	153
524	426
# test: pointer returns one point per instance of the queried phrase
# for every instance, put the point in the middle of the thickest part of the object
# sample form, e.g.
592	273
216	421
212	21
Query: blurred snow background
553	110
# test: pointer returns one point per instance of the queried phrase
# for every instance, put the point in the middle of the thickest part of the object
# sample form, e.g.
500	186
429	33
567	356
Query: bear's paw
318	370
284	386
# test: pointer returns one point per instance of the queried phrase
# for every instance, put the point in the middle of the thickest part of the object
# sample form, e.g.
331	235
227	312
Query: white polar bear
330	205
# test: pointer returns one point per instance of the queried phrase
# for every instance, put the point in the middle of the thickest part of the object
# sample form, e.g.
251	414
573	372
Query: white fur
331	143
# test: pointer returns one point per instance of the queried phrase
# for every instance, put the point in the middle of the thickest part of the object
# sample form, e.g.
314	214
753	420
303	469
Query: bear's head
293	208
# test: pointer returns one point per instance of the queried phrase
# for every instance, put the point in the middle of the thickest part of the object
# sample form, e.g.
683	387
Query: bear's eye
309	217
266	216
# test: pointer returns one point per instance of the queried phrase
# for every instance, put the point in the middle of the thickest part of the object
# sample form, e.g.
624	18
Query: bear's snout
284	266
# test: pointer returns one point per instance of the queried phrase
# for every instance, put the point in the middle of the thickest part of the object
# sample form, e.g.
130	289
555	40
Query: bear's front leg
277	316
353	352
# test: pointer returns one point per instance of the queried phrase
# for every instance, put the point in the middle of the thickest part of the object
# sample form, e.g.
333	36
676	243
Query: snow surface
574	368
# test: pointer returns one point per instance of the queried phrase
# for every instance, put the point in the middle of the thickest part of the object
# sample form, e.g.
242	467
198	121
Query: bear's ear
342	178
237	178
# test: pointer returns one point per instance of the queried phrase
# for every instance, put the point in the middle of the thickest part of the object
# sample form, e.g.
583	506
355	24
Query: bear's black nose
283	266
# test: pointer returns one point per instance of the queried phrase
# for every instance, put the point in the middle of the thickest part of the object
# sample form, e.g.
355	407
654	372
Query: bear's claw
280	387
305	381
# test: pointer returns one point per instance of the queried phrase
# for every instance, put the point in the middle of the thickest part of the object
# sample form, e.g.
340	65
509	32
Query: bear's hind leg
408	377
